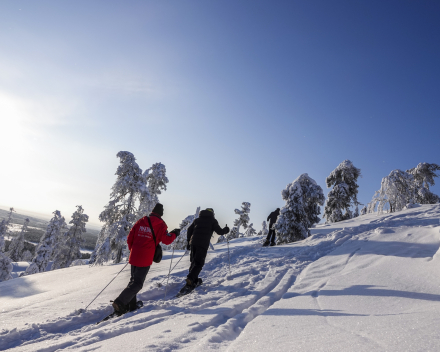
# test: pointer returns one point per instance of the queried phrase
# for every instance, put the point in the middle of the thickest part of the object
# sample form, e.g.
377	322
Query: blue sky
236	98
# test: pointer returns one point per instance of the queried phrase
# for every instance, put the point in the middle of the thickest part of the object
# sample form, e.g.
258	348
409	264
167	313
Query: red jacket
141	242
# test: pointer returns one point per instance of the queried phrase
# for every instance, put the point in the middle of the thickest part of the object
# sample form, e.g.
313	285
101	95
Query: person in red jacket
141	244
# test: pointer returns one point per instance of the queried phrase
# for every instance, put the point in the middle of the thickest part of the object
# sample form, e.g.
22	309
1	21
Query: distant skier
141	244
272	218
199	236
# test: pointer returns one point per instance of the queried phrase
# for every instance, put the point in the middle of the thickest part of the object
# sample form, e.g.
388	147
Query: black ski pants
128	296
271	236
197	258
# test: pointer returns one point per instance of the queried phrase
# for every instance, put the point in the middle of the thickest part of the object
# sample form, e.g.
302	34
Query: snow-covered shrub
303	198
31	269
69	248
344	192
243	220
364	210
396	191
77	262
17	244
43	252
250	231
264	230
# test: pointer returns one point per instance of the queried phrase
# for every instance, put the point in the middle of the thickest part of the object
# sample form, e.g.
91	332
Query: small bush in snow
264	230
250	231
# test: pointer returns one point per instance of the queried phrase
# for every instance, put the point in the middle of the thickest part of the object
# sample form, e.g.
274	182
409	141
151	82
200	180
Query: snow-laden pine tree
43	252
119	214
303	200
156	180
250	231
396	191
17	244
69	250
4	228
424	175
27	256
344	192
264	230
5	267
243	220
181	242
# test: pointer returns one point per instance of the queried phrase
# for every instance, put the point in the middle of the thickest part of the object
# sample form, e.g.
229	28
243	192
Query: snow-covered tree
156	180
43	252
69	250
264	230
243	220
181	242
119	214
424	175
5	267
344	192
250	231
396	191
17	244
4	227
303	200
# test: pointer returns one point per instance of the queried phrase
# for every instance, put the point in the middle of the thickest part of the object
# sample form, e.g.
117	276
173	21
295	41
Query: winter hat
210	209
158	209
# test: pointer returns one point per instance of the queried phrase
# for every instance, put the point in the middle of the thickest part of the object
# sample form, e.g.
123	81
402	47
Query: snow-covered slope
372	283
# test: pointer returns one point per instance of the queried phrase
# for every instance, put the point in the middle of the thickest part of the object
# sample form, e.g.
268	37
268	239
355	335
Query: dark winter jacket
141	242
201	230
272	218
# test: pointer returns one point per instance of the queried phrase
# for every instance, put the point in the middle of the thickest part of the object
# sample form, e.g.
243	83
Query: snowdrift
370	283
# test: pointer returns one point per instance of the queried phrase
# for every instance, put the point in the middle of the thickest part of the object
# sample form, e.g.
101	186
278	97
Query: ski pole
166	287
229	260
175	265
105	287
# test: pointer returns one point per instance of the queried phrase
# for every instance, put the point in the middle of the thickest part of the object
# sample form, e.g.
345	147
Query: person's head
158	209
210	209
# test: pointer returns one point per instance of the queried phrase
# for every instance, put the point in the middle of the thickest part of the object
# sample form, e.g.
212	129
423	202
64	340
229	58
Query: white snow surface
367	284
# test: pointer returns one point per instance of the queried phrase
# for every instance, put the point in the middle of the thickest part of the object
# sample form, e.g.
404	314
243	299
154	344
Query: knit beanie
158	209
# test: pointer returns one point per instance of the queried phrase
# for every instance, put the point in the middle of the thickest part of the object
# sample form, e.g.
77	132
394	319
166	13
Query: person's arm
130	237
165	237
269	217
219	230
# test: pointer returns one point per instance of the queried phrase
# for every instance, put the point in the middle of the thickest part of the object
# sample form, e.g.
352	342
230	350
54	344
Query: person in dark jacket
199	236
272	218
142	246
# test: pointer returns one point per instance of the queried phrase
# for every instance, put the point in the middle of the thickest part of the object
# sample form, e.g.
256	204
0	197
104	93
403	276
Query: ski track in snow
224	305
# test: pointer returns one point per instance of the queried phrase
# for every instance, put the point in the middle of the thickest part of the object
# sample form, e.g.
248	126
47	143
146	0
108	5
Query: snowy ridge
328	292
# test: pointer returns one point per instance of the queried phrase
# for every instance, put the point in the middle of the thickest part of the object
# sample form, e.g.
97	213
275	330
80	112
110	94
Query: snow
368	283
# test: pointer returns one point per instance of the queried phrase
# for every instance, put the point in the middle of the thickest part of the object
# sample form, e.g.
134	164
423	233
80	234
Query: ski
139	304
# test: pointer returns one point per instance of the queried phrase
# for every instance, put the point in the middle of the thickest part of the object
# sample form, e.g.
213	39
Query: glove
176	232
226	229
188	247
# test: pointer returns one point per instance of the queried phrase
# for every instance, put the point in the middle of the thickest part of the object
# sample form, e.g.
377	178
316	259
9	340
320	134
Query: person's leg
199	256
272	235
138	275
